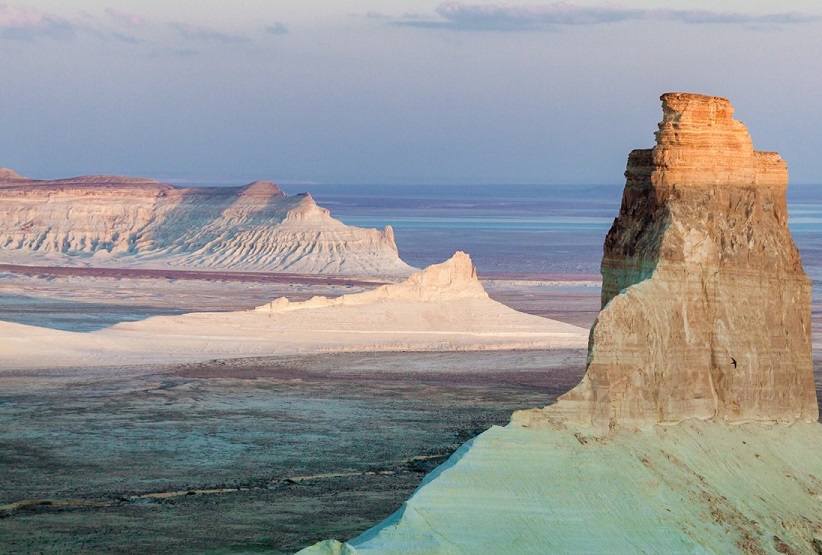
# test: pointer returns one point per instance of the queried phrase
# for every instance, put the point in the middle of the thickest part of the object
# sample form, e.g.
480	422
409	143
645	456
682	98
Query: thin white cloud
509	17
195	32
29	24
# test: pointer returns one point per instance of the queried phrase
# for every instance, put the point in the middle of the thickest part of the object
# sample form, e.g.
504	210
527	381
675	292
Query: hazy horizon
360	92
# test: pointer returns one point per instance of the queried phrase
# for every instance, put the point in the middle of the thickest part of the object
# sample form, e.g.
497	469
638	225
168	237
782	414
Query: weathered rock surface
705	324
696	487
705	306
114	220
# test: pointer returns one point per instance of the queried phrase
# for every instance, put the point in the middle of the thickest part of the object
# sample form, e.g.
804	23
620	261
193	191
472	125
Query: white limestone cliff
117	221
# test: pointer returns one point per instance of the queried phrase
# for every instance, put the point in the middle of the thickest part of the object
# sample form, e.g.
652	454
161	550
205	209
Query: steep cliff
694	429
706	308
114	220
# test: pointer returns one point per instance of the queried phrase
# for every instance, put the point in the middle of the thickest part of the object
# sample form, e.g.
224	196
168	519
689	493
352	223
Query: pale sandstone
705	306
111	221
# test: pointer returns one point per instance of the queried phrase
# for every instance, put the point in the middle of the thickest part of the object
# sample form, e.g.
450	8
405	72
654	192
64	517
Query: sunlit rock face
115	220
705	324
705	305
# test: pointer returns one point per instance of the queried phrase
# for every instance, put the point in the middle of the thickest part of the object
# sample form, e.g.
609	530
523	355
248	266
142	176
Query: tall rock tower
705	306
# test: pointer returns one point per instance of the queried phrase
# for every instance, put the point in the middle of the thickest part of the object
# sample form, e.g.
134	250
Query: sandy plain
246	455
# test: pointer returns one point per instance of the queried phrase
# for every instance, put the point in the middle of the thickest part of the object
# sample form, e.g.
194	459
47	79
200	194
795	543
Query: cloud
194	32
373	14
125	19
504	17
276	29
128	39
29	24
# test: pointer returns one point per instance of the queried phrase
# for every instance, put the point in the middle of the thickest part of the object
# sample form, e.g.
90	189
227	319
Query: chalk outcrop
697	487
440	308
452	280
705	306
115	220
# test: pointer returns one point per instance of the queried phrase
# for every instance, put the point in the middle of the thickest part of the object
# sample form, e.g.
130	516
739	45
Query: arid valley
159	407
421	277
262	454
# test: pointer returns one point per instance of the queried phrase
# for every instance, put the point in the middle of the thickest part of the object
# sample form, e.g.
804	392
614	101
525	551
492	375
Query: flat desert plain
262	454
265	454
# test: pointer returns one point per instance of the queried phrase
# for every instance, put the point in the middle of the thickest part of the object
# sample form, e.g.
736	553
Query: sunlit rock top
705	305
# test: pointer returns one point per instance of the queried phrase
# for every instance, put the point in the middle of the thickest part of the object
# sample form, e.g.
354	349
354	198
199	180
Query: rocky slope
697	487
694	429
114	220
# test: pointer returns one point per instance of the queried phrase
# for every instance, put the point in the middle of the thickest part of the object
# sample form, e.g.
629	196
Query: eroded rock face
705	305
115	220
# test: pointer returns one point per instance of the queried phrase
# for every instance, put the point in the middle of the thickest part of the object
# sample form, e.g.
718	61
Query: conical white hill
454	279
441	308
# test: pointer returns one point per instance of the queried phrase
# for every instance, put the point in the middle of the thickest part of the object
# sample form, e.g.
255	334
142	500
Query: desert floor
245	455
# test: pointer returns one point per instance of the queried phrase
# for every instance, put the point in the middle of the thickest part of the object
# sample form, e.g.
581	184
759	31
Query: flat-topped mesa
104	220
705	305
265	189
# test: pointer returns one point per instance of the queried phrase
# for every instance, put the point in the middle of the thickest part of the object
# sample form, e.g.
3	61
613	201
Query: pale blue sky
392	91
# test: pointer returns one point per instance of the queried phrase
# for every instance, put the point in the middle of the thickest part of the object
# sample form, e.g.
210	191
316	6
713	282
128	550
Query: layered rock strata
705	306
705	323
114	220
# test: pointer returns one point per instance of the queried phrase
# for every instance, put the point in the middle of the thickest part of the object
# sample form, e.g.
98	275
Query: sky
392	91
